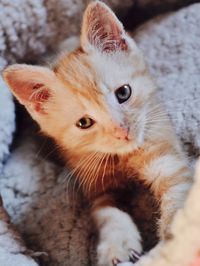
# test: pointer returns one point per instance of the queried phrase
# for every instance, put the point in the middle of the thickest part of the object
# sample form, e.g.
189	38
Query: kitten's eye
85	122
123	93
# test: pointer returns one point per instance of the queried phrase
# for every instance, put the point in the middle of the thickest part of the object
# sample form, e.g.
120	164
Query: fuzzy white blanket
34	196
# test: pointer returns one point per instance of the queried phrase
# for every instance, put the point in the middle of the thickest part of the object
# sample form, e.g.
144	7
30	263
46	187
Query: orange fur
83	83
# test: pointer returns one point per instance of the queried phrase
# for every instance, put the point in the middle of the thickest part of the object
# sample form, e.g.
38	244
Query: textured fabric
29	27
162	4
171	48
50	217
7	122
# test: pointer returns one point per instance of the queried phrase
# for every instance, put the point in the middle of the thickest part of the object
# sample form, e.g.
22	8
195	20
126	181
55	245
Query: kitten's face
95	99
108	101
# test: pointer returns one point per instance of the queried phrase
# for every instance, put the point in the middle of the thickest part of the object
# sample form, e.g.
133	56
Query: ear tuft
30	84
102	29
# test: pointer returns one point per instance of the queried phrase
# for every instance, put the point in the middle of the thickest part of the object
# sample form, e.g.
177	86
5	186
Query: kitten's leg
170	180
119	239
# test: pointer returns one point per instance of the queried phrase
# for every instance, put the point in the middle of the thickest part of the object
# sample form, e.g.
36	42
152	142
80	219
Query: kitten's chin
128	148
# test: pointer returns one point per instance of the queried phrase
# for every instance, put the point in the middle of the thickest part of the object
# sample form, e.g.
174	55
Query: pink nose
121	133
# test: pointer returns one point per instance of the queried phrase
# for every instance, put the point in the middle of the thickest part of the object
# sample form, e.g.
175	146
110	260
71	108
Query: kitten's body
127	141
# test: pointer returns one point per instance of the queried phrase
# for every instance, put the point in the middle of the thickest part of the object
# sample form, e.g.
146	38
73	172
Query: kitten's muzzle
121	132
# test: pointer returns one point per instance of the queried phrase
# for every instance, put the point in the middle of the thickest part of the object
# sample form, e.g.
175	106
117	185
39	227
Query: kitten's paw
116	248
120	240
133	257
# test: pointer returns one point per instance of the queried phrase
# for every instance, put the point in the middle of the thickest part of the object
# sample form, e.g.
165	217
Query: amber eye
123	93
85	122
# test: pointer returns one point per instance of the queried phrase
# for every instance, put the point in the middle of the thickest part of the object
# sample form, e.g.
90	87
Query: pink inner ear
29	93
39	95
30	85
104	30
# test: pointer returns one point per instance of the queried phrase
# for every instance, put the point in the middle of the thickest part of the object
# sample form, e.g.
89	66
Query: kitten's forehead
75	71
92	75
93	78
82	92
112	70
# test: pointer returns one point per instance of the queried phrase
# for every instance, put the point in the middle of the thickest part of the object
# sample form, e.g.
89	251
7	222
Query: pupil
123	93
83	122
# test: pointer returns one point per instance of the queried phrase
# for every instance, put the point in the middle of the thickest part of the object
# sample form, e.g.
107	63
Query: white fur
121	68
163	166
173	193
118	234
174	200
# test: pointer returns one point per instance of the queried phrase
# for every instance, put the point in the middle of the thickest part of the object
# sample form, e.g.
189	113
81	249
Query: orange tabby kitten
99	103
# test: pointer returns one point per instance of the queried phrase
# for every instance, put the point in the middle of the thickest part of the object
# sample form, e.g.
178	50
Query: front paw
118	247
119	238
133	256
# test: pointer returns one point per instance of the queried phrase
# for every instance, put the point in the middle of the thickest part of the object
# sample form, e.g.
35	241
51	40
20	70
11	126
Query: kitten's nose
121	132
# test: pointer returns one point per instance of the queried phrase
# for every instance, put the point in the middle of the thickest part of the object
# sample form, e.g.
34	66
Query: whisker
104	171
71	174
86	163
98	170
40	149
89	178
88	170
112	168
53	150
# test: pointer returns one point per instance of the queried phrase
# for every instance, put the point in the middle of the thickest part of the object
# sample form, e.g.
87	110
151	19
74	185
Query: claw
134	255
115	261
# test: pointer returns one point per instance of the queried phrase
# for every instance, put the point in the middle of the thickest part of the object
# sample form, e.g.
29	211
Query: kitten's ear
30	84
102	30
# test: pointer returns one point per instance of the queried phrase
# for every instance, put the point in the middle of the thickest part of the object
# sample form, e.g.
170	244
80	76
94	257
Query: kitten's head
94	99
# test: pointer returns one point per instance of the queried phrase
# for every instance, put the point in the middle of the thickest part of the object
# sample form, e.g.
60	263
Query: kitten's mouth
126	145
122	133
125	139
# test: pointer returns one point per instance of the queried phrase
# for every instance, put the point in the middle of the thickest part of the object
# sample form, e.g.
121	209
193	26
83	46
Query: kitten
99	103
